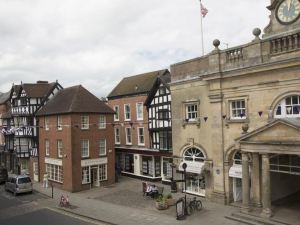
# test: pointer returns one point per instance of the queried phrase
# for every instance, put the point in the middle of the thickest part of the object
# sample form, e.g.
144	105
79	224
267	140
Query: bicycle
193	205
64	201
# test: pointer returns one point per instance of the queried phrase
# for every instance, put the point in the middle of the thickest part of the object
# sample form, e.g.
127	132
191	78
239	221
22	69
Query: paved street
29	209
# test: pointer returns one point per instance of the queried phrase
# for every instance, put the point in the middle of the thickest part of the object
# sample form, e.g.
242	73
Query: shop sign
93	162
57	162
192	167
236	171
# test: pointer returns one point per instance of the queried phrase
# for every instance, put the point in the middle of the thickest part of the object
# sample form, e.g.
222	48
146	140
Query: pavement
123	203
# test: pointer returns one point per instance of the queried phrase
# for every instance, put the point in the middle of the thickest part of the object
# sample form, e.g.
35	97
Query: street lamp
184	165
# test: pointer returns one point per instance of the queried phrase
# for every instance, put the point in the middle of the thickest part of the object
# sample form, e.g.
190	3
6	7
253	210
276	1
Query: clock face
288	11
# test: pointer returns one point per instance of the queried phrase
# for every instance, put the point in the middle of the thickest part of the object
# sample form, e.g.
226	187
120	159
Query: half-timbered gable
159	114
26	100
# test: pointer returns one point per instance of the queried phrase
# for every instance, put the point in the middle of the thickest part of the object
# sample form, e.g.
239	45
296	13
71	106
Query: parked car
3	175
18	184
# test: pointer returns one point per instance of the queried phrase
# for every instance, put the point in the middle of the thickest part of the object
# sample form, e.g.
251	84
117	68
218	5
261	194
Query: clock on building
288	11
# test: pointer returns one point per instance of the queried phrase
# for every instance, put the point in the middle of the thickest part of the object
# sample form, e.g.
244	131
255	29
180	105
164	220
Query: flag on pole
204	10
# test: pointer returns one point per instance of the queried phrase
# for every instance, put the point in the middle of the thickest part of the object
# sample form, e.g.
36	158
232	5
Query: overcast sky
98	42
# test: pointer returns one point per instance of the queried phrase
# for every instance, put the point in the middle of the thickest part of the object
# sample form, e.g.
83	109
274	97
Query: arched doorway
195	179
235	173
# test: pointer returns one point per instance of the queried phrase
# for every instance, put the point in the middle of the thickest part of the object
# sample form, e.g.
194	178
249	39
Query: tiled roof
35	90
137	84
74	99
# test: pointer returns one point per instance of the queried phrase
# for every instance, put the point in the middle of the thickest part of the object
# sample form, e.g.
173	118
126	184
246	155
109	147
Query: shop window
85	175
102	172
147	165
167	167
55	172
288	107
129	163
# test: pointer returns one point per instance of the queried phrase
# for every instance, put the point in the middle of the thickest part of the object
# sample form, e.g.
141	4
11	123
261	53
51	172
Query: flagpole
201	21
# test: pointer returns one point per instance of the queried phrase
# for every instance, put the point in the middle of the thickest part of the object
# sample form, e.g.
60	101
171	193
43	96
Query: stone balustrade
285	44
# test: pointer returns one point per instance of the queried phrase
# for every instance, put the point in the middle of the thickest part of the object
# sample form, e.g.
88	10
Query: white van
18	184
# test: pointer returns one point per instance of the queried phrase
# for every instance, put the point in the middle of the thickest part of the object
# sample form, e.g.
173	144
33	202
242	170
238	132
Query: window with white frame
141	136
191	111
139	111
47	147
117	113
288	107
59	123
55	172
85	175
60	148
85	148
117	136
102	147
194	154
85	122
238	109
102	122
127	115
128	135
167	167
46	123
102	172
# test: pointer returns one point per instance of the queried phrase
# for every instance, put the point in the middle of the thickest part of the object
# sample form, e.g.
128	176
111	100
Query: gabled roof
263	132
165	79
74	99
138	84
4	97
35	90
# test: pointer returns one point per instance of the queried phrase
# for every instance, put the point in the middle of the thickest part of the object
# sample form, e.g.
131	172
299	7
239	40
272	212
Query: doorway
237	190
35	171
95	176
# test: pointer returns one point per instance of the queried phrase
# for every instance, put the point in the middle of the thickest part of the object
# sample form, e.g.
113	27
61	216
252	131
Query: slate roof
138	84
35	90
74	99
4	97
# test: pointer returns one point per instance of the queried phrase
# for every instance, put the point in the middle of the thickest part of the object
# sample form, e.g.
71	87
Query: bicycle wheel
198	205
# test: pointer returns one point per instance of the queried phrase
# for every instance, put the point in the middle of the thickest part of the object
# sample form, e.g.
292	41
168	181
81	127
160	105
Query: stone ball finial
216	43
256	32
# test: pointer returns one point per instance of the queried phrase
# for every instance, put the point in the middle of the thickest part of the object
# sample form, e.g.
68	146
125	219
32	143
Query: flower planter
161	205
171	201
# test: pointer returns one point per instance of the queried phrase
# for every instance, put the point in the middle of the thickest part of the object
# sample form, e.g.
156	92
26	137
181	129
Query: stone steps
254	219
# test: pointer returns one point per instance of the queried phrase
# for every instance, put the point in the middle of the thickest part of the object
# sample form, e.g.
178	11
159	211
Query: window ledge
246	120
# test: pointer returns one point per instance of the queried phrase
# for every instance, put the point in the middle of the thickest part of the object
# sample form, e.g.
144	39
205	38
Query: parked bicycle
193	205
64	201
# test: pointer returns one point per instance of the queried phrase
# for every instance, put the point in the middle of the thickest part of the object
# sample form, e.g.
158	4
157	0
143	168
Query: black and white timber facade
26	100
160	124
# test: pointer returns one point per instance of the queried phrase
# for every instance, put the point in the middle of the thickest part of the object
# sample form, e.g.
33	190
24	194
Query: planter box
171	201
161	205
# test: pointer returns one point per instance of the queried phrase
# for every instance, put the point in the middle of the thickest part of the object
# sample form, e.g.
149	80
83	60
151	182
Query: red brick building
135	154
76	146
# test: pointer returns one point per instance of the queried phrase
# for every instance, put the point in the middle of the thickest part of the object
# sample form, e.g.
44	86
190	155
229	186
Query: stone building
76	147
236	116
134	153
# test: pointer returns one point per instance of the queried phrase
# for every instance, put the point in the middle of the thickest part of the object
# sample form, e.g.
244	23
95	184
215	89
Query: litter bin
173	186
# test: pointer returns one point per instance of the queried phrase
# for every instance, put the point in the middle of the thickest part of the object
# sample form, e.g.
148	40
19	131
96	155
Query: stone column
266	186
255	179
245	182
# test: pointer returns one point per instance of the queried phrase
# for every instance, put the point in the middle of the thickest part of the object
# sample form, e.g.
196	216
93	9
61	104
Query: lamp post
184	165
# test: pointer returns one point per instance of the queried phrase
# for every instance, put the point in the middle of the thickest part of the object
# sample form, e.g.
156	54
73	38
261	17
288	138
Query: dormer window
288	107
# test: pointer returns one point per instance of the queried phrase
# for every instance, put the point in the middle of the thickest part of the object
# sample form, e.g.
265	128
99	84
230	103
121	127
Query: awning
235	171
192	167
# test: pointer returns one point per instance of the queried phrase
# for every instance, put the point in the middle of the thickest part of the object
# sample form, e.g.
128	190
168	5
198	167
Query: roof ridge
74	97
